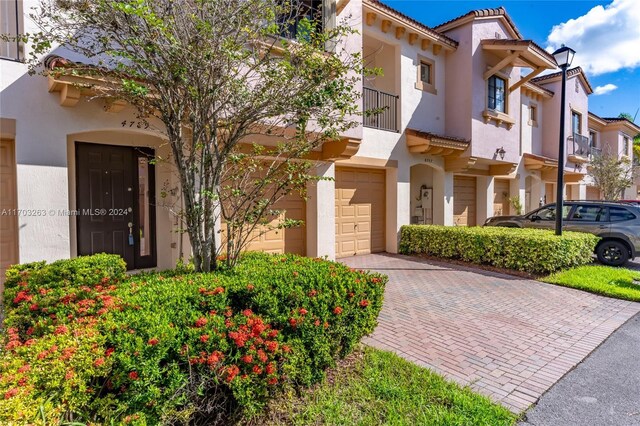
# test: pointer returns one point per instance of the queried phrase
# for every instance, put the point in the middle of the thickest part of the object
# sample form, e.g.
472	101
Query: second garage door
360	211
289	240
464	200
593	193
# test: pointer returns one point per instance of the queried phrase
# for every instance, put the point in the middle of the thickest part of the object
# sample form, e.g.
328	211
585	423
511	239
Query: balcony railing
380	109
596	152
581	145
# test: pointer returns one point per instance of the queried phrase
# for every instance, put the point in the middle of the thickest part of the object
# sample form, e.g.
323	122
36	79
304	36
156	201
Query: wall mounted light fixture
501	152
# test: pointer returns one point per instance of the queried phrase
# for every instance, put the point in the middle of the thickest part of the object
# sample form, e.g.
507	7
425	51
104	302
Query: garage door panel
291	240
360	210
8	201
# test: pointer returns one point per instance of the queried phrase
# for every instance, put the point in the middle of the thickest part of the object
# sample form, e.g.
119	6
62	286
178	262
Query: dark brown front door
114	200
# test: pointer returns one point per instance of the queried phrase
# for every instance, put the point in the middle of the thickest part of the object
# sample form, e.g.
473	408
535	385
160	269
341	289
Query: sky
604	34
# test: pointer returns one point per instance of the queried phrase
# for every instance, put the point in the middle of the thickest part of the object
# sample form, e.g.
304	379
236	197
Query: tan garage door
360	211
8	202
464	200
290	240
593	193
501	197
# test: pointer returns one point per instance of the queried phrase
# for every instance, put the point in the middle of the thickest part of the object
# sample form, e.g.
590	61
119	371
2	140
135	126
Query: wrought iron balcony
380	109
581	145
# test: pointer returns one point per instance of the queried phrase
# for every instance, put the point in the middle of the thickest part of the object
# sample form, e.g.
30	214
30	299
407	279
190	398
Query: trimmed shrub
529	250
175	347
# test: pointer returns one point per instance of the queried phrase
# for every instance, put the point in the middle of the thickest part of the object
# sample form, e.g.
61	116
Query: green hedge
529	250
84	343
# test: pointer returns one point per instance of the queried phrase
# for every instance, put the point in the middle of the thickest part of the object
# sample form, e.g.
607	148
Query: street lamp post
563	57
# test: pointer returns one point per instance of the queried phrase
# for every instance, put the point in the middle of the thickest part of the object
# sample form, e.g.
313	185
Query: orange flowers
337	310
271	345
153	341
364	303
61	329
204	338
134	375
22	296
10	393
98	362
201	322
232	372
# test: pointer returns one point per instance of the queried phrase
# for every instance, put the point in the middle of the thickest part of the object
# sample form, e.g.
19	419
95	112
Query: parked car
616	223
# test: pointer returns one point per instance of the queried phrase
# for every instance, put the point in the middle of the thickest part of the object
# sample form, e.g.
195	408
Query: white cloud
603	90
606	39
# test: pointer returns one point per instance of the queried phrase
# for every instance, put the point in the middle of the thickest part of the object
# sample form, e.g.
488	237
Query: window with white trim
11	25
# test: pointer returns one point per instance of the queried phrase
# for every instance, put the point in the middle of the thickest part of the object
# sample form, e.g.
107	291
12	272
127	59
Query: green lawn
377	387
604	280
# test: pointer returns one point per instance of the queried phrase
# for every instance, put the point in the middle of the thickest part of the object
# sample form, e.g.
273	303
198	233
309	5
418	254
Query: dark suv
616	223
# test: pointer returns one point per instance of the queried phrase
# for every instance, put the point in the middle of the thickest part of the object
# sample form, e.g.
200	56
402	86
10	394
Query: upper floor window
11	24
576	122
426	75
625	145
533	114
497	93
425	72
301	15
593	139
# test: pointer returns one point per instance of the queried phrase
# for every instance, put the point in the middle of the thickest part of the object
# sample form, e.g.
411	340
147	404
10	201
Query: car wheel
612	253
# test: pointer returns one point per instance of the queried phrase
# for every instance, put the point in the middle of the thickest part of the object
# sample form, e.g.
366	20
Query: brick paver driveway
506	337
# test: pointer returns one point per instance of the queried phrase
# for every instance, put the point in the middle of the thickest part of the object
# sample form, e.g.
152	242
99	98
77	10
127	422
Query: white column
517	188
447	192
321	214
631	193
484	198
398	205
537	193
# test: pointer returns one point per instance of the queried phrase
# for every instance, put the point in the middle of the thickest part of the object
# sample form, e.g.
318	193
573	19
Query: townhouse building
467	128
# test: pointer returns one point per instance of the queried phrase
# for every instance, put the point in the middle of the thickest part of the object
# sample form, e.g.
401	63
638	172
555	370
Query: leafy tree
217	76
612	175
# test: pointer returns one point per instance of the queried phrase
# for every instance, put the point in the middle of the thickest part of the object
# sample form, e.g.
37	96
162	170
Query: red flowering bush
85	341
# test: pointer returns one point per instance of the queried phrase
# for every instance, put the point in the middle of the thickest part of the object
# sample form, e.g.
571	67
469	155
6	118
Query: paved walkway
506	337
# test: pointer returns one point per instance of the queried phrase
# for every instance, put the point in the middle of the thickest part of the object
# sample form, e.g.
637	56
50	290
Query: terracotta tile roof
622	120
54	61
437	35
544	89
431	135
482	13
570	73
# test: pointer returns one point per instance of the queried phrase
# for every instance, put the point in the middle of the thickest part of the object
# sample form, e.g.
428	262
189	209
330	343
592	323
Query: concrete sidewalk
603	390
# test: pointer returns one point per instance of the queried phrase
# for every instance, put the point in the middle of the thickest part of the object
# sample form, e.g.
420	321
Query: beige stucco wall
576	100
